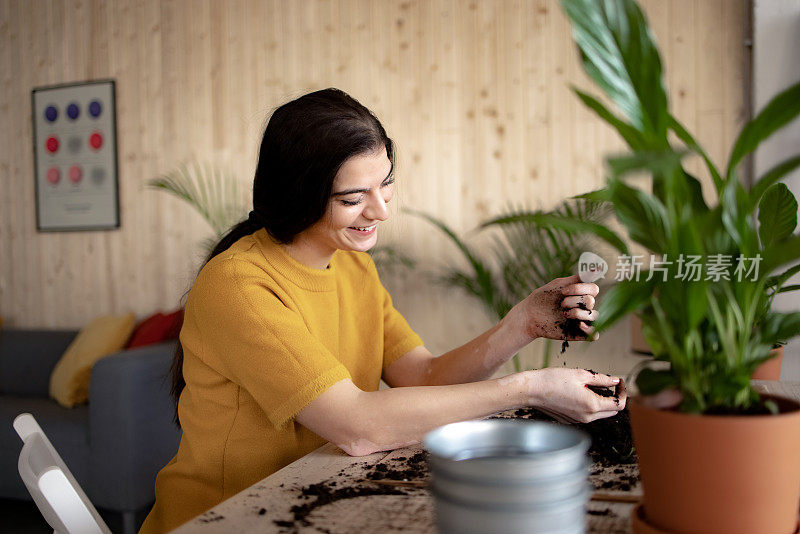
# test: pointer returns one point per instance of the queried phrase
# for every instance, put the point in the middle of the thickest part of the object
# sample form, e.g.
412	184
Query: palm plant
527	253
223	202
216	195
716	329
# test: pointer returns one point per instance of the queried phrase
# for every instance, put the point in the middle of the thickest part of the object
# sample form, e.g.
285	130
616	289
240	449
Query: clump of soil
402	468
612	441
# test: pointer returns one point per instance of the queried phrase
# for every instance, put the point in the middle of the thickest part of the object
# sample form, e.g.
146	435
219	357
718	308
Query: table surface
267	506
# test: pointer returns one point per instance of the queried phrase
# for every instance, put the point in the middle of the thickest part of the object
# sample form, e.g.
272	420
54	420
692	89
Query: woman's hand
547	311
562	394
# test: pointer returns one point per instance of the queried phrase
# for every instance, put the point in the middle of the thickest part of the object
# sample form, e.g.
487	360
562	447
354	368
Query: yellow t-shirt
263	336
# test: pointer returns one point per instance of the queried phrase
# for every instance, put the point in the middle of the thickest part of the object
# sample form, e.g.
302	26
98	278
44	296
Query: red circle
96	140
52	144
75	174
53	175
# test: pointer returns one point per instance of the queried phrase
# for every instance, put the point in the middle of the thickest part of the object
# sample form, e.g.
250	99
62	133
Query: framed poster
75	157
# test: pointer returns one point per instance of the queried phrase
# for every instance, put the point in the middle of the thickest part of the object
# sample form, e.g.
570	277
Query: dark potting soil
401	468
612	441
323	494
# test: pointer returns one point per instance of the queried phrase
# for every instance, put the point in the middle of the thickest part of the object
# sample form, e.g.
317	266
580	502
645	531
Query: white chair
58	495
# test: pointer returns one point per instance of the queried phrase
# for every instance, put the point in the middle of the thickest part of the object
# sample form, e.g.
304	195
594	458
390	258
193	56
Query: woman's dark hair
305	143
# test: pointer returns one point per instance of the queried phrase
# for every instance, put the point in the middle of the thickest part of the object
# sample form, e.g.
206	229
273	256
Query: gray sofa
116	444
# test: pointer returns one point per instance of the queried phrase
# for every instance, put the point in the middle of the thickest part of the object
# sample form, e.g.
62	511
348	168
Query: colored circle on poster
95	108
51	113
75	174
51	144
73	111
96	140
74	144
53	175
98	175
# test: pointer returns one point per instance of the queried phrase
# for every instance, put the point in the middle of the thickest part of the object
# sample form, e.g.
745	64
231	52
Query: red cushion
156	329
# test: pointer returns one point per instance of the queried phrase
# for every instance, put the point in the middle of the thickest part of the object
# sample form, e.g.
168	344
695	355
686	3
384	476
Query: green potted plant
725	459
525	254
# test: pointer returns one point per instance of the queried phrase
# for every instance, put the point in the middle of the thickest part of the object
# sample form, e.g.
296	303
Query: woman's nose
376	207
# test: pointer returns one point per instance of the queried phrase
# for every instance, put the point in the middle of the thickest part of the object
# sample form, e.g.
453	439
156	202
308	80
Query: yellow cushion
69	381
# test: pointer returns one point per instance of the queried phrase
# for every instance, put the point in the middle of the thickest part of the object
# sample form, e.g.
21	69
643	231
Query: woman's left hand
560	310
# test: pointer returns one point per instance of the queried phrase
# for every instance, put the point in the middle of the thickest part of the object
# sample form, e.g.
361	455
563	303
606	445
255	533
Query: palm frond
216	195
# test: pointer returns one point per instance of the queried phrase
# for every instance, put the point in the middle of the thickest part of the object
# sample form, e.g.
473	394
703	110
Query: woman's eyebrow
361	190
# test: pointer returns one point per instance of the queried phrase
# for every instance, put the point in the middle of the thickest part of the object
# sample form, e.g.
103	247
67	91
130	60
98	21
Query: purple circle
95	108
50	113
73	111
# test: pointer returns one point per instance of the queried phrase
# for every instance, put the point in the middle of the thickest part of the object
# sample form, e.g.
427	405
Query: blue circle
73	111
51	113
95	108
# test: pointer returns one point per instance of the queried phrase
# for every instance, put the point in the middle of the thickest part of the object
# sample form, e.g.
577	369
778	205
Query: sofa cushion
69	383
67	429
156	329
27	358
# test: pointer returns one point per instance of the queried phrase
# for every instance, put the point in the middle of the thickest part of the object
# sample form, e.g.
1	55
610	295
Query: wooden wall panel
475	94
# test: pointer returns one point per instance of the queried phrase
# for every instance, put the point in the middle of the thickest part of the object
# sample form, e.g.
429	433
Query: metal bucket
509	476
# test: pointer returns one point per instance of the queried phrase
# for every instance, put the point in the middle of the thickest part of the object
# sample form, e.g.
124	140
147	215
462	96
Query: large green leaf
781	327
656	162
695	192
600	195
684	135
642	214
780	279
778	112
564	223
619	53
630	134
773	175
621	299
777	214
787	251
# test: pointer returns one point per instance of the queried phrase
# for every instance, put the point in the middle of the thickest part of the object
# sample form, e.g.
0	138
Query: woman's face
361	190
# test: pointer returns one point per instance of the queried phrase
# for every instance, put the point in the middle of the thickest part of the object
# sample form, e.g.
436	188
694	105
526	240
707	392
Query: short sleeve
250	337
398	337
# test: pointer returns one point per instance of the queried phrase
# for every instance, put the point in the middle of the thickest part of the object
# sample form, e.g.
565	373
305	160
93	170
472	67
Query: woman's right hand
562	394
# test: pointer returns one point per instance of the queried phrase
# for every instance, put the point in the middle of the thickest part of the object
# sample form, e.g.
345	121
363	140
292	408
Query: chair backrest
58	495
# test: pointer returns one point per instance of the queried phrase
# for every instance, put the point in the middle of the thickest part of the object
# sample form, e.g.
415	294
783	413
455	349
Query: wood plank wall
475	93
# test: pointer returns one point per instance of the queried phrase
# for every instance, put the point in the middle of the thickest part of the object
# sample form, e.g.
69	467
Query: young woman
288	330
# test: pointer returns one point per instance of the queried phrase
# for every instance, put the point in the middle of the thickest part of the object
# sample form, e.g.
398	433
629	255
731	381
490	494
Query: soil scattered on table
211	517
402	468
322	493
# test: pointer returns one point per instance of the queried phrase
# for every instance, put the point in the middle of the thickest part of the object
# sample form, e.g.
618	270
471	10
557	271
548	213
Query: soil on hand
612	441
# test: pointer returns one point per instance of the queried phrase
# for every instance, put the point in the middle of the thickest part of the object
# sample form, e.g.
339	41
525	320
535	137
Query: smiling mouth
364	229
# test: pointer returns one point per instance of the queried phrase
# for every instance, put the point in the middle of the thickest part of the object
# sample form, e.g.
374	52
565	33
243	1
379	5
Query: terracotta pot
770	369
715	473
